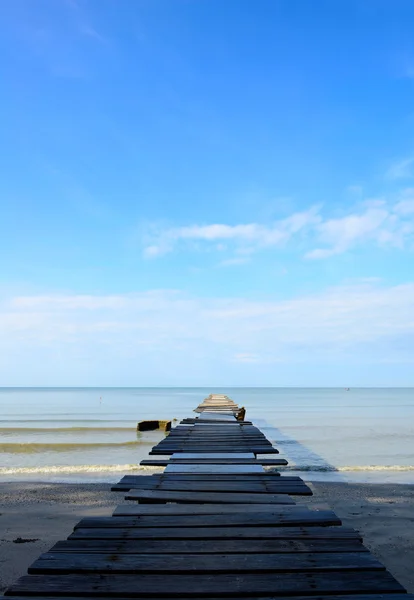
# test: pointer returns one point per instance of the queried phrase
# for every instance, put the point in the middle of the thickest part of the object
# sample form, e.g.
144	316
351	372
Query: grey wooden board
213	484
196	421
182	455
215	416
238	546
258	450
132	509
216	533
177	468
274	519
205	478
60	563
219	486
271	477
203	497
163	462
295	489
373	596
204	585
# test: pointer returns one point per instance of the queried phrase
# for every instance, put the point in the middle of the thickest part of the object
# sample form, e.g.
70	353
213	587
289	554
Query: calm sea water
89	434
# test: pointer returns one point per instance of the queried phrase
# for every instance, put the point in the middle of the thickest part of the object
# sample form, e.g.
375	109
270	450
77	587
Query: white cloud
341	234
382	222
402	169
254	235
164	333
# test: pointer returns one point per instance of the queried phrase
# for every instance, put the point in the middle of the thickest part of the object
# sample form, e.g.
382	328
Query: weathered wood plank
216	455
237	546
236	469
372	596
183	585
163	462
60	563
134	509
203	497
250	519
217	533
296	488
201	450
267	477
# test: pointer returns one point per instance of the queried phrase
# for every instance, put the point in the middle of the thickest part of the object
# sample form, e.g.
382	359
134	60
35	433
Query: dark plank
190	497
251	477
250	519
238	546
278	584
274	487
263	532
60	563
217	486
254	449
134	509
219	477
373	596
222	477
246	484
163	462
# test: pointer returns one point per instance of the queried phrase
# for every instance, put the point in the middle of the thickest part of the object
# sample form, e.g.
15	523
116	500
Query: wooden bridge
214	524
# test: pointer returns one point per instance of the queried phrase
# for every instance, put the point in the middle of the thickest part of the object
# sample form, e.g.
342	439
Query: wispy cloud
90	32
383	222
341	234
250	235
402	169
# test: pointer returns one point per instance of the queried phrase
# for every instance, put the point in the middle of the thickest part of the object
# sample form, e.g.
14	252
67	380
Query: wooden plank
203	497
217	533
237	546
163	462
178	468
293	488
215	455
278	584
59	563
249	519
268	477
373	596
241	485
275	486
136	509
260	450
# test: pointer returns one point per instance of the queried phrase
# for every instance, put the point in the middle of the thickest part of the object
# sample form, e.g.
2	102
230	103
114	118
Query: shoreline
46	512
96	475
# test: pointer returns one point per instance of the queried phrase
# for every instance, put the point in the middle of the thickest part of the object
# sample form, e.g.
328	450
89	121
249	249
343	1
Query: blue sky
200	192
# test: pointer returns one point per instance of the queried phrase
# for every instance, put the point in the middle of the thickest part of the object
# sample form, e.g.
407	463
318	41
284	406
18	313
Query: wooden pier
214	524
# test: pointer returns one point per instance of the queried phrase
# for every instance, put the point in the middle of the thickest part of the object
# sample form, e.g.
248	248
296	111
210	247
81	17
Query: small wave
74	469
330	468
33	448
59	429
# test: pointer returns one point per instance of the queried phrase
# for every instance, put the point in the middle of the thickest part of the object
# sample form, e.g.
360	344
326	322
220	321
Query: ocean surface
89	434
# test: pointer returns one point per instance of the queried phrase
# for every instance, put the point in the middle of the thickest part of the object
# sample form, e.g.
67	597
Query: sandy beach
46	513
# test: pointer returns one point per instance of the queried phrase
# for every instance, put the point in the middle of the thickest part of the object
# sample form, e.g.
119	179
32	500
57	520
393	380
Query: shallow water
89	434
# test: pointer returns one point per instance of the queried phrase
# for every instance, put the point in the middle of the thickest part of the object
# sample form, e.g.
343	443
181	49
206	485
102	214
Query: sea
90	434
